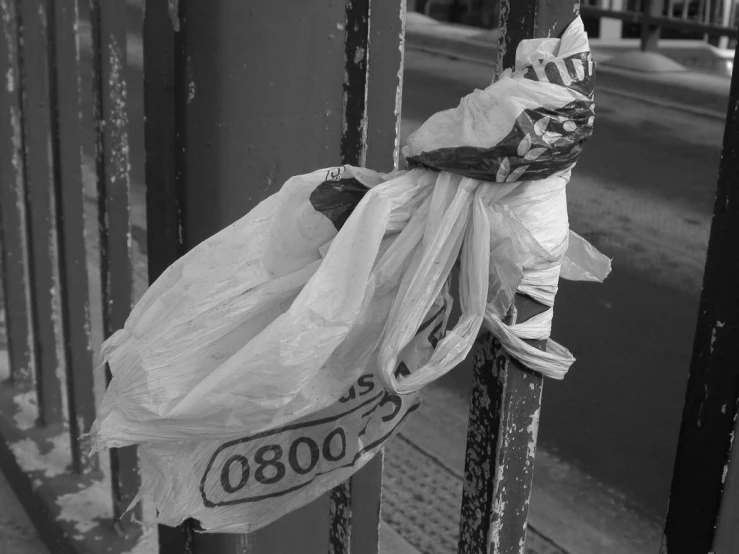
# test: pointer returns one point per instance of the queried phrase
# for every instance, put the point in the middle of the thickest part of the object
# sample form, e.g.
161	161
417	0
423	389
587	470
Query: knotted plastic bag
275	358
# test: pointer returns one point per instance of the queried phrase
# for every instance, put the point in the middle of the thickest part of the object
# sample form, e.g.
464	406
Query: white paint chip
4	365
27	410
86	507
52	463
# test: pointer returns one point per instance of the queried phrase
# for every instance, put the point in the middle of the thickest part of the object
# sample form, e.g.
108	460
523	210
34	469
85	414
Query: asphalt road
643	194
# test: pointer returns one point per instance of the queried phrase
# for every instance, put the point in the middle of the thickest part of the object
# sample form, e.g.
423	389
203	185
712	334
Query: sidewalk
17	533
692	91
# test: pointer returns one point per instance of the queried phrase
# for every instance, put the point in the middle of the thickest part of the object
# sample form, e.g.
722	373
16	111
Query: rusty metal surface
73	285
348	526
108	23
356	53
340	519
506	398
707	428
501	443
13	239
40	207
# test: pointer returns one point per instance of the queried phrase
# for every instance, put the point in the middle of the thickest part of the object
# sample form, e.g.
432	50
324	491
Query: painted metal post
239	97
506	397
704	446
13	238
73	283
353	152
40	208
108	19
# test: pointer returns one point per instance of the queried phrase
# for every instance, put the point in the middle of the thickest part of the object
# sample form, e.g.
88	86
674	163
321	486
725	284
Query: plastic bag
241	485
233	366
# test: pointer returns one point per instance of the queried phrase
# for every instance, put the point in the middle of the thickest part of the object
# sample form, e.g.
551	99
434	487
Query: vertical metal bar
701	10
366	506
164	120
40	206
726	538
670	8
706	431
684	14
506	398
356	53
163	199
353	152
384	99
340	519
108	24
13	225
65	91
649	30
499	463
384	93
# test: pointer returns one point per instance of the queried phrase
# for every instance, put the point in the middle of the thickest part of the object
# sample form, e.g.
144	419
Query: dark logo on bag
276	462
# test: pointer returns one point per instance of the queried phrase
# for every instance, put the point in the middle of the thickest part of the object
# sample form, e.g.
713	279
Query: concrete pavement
17	533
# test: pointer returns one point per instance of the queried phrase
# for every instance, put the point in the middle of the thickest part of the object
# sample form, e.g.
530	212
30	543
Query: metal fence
63	287
48	400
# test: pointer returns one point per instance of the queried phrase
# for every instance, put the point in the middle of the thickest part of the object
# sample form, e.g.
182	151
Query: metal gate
222	110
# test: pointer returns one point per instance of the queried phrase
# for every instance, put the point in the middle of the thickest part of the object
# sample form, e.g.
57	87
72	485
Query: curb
690	92
60	505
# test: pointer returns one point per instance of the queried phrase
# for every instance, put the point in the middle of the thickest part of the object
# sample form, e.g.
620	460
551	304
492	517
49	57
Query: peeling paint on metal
359	55
355	87
533	430
174	14
4	365
340	519
399	89
504	10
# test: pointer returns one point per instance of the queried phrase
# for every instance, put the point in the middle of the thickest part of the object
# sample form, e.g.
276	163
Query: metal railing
49	396
54	306
712	18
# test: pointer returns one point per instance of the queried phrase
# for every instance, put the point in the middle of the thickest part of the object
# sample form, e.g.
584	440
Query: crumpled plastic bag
257	334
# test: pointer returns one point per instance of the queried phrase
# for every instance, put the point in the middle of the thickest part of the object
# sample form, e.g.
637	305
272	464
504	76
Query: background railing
713	18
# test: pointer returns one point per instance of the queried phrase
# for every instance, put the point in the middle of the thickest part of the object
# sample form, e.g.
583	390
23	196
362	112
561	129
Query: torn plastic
254	341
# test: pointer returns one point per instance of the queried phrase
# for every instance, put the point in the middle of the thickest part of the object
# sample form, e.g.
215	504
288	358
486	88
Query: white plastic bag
253	329
241	485
233	366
